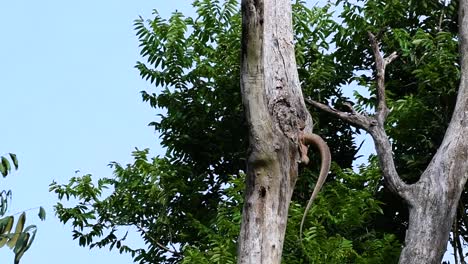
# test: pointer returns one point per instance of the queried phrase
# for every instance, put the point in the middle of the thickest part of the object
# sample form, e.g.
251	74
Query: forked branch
380	65
374	125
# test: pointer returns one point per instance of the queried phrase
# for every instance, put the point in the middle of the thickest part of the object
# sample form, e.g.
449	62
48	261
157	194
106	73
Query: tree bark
435	196
277	116
433	200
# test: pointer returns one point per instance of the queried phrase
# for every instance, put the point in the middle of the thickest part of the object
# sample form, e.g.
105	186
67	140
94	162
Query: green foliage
5	164
196	63
340	232
18	238
424	113
221	233
148	195
421	83
136	200
142	197
341	228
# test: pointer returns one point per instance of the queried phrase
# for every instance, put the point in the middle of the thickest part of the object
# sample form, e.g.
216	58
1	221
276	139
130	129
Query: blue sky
70	101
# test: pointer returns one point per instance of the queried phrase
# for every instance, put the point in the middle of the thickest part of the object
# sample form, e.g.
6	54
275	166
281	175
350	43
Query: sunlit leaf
14	159
18	230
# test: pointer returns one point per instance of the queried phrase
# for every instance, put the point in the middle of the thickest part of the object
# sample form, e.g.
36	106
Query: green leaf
42	213
18	230
32	229
19	251
6	224
3	170
14	159
21	243
6	164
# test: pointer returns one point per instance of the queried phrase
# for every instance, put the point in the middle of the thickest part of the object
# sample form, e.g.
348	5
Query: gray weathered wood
435	196
276	114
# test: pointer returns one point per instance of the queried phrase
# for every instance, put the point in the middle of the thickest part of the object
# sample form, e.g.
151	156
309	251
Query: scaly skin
316	140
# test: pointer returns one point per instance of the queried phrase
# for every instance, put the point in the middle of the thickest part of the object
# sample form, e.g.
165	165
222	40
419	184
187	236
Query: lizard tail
316	140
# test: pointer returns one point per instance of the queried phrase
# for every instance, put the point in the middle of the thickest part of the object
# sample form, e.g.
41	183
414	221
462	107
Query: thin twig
455	239
29	209
441	18
159	244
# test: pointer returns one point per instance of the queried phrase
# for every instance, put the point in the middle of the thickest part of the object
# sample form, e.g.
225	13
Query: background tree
18	238
421	84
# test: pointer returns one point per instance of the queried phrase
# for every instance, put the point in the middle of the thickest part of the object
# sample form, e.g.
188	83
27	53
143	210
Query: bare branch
453	242
384	151
374	125
381	142
354	118
441	18
380	64
165	248
391	58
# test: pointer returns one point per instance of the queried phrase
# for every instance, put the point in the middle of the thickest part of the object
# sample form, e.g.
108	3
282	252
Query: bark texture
433	200
277	115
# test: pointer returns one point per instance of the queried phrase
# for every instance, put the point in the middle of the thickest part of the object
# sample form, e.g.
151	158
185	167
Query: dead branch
380	65
354	118
374	125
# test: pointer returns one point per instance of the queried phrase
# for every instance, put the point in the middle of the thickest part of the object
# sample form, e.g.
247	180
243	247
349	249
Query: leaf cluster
5	164
153	197
341	226
195	62
18	238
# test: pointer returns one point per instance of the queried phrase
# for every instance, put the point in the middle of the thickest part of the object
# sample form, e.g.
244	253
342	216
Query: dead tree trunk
277	116
433	200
